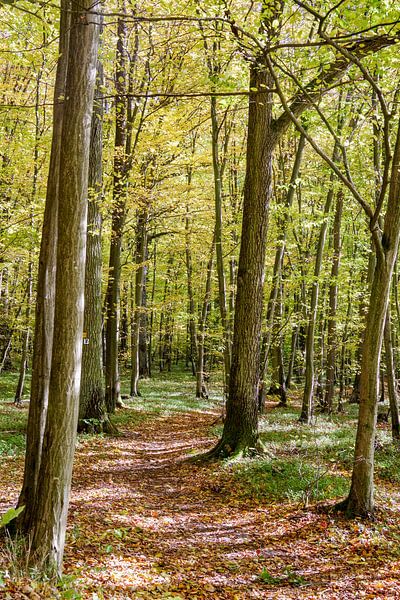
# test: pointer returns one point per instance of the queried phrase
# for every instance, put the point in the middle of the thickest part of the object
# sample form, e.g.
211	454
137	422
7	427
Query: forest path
146	524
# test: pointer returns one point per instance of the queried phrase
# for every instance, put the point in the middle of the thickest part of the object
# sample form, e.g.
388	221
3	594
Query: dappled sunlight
145	523
163	526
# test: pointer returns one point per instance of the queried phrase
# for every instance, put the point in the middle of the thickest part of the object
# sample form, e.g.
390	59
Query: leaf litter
145	523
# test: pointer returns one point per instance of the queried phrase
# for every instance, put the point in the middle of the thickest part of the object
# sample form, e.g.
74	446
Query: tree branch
316	88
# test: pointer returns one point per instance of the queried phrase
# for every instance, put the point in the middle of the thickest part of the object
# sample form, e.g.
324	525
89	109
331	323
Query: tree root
351	511
97	426
224	451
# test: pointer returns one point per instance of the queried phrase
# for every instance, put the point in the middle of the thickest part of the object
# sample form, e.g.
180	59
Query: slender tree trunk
361	496
280	251
279	254
144	366
113	385
193	354
391	378
48	514
25	344
93	415
222	298
140	256
308	397
292	358
44	317
333	297
29	289
201	379
151	324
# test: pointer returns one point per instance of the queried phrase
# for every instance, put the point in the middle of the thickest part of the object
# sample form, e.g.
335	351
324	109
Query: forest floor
146	523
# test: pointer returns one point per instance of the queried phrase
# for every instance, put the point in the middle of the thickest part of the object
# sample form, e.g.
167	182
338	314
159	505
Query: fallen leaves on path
146	524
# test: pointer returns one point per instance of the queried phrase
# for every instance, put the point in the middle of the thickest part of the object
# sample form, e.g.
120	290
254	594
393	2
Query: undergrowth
311	462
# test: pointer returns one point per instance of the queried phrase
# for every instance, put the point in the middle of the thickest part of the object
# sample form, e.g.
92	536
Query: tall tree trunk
361	496
140	257
29	289
25	344
201	379
333	295
44	314
240	433
308	396
279	254
93	415
222	298
193	354
391	378
48	513
151	324
112	301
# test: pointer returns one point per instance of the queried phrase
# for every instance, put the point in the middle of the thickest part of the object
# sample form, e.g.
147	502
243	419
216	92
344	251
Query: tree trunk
48	514
140	257
279	254
29	289
25	344
201	379
333	295
361	496
93	415
240	434
112	302
355	393
193	354
391	378
307	408
222	299
44	314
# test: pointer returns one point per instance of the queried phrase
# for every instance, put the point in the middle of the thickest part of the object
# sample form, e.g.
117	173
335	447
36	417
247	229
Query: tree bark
391	377
140	257
201	379
240	434
112	301
93	415
361	496
333	296
48	514
44	313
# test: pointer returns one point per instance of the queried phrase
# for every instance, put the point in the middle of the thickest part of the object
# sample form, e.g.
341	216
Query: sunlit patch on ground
146	524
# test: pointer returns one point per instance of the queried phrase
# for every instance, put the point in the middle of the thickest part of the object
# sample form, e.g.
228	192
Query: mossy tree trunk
44	312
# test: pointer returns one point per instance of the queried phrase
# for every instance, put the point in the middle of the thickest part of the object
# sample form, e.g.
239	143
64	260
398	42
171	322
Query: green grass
12	419
293	480
311	462
168	393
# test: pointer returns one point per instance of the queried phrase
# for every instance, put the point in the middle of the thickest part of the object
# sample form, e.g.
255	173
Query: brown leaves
145	524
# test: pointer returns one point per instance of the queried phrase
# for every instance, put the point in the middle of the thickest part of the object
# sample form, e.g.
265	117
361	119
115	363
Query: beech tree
240	434
47	504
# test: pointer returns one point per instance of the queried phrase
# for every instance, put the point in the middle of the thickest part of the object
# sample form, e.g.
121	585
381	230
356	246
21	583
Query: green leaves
11	514
289	577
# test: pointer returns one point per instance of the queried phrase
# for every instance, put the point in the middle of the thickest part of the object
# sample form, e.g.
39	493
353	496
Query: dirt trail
144	523
147	524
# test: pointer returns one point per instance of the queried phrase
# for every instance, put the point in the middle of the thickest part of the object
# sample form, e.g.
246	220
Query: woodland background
241	177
